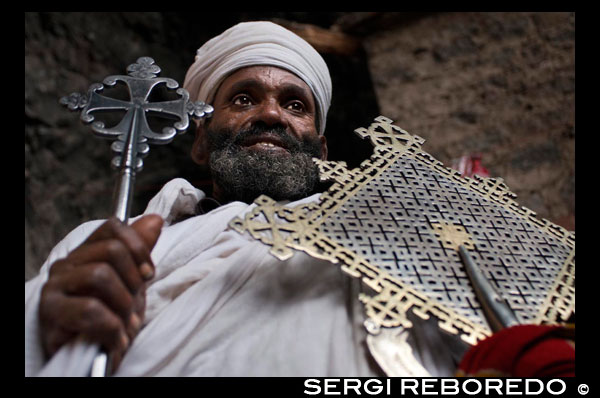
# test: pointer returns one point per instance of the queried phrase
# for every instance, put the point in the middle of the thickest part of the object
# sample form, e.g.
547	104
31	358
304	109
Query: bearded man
178	292
201	299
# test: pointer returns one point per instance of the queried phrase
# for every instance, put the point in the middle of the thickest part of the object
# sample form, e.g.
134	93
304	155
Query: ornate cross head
132	134
133	129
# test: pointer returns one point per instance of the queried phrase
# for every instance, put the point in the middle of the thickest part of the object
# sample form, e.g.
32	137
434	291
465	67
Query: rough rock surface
498	84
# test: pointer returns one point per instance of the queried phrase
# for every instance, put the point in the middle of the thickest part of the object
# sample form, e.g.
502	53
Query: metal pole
122	199
131	136
496	310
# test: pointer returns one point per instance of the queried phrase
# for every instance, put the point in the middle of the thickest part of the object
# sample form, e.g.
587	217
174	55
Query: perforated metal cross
133	132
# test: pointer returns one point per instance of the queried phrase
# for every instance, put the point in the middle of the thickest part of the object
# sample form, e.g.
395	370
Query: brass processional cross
133	134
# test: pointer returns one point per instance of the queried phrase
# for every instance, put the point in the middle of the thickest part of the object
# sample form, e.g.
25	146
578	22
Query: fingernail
135	322
124	340
147	271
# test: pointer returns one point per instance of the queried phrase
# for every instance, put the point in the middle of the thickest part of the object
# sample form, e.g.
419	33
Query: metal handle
132	135
496	310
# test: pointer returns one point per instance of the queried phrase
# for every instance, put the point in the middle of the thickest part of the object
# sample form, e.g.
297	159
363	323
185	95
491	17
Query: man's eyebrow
286	89
243	85
294	90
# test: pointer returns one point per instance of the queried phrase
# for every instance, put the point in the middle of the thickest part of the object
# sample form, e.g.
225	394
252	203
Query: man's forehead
264	77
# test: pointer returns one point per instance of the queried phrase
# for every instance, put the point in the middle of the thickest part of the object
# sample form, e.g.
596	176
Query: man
178	293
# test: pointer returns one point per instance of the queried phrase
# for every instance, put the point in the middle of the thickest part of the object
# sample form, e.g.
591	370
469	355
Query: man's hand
98	290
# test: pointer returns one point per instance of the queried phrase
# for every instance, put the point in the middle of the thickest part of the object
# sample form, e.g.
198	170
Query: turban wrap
259	43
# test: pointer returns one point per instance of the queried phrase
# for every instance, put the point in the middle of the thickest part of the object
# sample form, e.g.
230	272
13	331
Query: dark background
501	85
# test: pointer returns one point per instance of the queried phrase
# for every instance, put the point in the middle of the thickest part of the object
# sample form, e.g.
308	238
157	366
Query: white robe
221	305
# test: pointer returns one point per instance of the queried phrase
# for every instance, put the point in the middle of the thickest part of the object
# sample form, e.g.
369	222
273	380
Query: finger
54	338
117	230
139	302
148	228
115	357
101	281
105	231
136	319
113	228
139	238
59	266
114	252
75	315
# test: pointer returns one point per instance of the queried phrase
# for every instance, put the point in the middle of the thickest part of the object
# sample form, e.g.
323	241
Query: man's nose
270	113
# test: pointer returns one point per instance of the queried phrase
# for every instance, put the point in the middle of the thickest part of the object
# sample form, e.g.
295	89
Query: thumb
148	227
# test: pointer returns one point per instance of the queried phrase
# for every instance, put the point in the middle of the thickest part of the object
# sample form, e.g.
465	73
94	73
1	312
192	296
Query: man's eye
242	100
296	106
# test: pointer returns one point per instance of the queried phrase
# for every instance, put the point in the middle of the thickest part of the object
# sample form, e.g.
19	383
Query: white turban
258	43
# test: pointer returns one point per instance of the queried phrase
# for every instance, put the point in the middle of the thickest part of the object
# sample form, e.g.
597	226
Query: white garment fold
220	305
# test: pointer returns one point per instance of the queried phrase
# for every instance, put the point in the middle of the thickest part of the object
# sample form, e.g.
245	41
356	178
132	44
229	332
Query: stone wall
498	84
68	179
501	84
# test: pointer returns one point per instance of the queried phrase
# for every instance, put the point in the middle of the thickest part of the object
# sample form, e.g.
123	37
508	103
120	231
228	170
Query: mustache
229	139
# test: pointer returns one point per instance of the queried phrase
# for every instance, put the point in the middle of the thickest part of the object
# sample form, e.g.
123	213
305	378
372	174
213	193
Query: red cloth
470	165
523	351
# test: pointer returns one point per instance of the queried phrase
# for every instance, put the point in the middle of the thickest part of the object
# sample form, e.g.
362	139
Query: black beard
244	175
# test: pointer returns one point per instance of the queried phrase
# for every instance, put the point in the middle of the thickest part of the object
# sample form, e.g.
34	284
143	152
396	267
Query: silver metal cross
133	134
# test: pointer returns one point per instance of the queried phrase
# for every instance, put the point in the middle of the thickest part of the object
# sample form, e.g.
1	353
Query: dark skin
264	94
98	290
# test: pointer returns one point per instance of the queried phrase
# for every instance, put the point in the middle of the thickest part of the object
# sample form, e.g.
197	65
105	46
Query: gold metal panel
396	221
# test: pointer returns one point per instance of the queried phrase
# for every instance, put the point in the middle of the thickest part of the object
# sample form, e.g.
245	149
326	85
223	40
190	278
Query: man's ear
323	147
199	151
